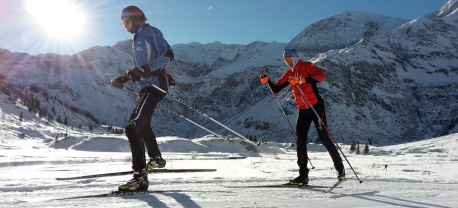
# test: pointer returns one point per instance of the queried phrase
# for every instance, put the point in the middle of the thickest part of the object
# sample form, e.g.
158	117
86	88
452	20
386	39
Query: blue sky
181	21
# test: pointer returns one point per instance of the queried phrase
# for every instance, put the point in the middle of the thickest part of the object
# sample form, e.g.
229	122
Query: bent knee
131	128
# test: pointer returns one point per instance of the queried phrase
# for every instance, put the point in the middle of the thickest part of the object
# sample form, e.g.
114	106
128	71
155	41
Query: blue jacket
151	48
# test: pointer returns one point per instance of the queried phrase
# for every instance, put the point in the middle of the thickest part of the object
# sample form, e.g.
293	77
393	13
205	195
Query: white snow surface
418	174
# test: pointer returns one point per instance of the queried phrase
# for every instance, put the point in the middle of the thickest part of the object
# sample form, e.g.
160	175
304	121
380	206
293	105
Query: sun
59	19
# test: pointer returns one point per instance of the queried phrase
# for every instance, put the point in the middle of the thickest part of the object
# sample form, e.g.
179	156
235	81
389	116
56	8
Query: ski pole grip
264	79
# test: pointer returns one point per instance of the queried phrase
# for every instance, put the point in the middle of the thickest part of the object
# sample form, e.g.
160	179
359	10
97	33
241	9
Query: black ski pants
138	129
304	120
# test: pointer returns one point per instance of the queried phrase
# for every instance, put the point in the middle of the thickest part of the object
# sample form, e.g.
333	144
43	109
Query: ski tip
360	181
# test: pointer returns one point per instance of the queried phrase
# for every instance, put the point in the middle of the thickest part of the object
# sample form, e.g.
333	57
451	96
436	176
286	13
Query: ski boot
156	162
300	180
138	183
341	175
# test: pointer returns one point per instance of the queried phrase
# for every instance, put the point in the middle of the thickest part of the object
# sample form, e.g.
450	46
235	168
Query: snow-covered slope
414	174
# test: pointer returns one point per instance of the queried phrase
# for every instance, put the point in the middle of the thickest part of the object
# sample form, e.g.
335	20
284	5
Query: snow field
419	174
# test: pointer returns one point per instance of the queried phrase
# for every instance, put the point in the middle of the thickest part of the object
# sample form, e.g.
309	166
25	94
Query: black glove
119	82
138	73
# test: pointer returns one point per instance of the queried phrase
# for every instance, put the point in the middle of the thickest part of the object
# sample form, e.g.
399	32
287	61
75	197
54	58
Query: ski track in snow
419	174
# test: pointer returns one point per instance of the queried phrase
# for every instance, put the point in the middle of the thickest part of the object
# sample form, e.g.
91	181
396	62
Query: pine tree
358	152
58	119
21	118
353	146
370	141
366	149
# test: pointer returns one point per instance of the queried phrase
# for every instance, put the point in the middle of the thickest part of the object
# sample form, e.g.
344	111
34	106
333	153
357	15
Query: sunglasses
289	59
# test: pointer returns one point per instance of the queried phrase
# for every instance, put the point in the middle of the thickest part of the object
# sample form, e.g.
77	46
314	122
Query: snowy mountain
342	30
389	80
401	84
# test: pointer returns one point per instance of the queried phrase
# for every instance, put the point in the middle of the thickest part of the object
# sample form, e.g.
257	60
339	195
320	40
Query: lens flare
59	19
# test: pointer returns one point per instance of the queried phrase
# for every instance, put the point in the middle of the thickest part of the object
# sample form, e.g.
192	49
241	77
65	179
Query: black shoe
156	162
138	183
300	180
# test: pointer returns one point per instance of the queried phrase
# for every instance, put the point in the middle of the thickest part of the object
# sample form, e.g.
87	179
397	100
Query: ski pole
179	115
198	111
289	122
327	130
130	90
286	117
187	119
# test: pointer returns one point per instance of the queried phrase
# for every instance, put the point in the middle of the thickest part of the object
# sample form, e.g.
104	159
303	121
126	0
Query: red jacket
306	70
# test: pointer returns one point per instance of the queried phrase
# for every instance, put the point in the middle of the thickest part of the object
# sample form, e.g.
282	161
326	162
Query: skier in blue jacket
151	54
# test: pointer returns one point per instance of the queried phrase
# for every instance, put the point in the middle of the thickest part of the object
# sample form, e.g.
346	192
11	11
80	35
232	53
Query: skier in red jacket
302	77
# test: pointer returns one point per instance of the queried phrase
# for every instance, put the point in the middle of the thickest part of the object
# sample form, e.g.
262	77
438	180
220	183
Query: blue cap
289	53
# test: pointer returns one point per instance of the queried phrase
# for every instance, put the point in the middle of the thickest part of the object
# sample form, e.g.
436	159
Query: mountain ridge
387	103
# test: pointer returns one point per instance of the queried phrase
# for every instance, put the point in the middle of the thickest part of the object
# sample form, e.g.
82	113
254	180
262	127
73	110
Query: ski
285	186
131	172
338	183
119	193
